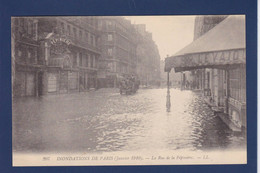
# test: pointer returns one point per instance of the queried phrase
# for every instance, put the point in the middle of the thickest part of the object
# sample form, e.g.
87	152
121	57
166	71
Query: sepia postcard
129	90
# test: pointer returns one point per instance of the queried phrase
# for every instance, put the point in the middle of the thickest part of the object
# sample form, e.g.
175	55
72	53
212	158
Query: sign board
59	45
206	59
57	40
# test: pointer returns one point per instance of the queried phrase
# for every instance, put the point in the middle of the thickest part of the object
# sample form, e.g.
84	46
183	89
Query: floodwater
104	120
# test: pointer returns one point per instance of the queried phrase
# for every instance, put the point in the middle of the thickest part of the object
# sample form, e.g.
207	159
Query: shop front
25	84
60	81
27	80
221	56
60	76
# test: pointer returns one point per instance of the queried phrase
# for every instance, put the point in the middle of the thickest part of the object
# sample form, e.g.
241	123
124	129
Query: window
99	25
16	22
94	61
35	30
73	80
86	60
91	61
86	36
110	51
89	38
75	32
31	54
80	59
68	29
30	27
91	21
74	59
93	40
80	35
109	23
235	83
21	22
109	66
62	28
114	67
19	52
109	37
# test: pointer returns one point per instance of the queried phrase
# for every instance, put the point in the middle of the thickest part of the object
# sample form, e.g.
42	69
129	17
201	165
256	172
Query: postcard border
10	8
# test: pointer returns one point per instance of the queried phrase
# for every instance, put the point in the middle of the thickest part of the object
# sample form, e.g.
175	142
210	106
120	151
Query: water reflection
107	121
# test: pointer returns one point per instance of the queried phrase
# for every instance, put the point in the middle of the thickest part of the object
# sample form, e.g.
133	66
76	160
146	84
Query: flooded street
104	120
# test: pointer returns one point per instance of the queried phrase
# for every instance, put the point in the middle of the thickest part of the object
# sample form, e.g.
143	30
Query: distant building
127	49
205	23
175	78
118	45
148	58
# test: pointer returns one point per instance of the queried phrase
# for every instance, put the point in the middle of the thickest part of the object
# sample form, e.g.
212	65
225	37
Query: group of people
129	84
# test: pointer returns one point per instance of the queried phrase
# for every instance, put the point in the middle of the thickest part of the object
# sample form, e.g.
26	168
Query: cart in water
129	85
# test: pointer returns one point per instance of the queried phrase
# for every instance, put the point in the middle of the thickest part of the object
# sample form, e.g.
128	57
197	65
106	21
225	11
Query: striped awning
222	45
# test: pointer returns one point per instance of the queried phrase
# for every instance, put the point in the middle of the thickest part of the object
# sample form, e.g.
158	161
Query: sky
170	33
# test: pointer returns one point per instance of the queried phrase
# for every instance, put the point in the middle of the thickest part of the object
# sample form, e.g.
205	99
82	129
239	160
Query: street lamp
168	97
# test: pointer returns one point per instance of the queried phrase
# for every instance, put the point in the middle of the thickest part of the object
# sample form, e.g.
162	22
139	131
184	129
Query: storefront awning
222	45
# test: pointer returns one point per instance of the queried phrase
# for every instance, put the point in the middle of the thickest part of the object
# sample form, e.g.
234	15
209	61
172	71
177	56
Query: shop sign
59	45
207	59
58	40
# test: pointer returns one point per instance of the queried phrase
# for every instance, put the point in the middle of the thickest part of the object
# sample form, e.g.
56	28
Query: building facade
25	61
201	26
127	49
118	45
70	48
225	88
148	58
55	55
217	59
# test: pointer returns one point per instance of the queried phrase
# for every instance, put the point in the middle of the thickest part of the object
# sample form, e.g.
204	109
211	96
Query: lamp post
168	97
